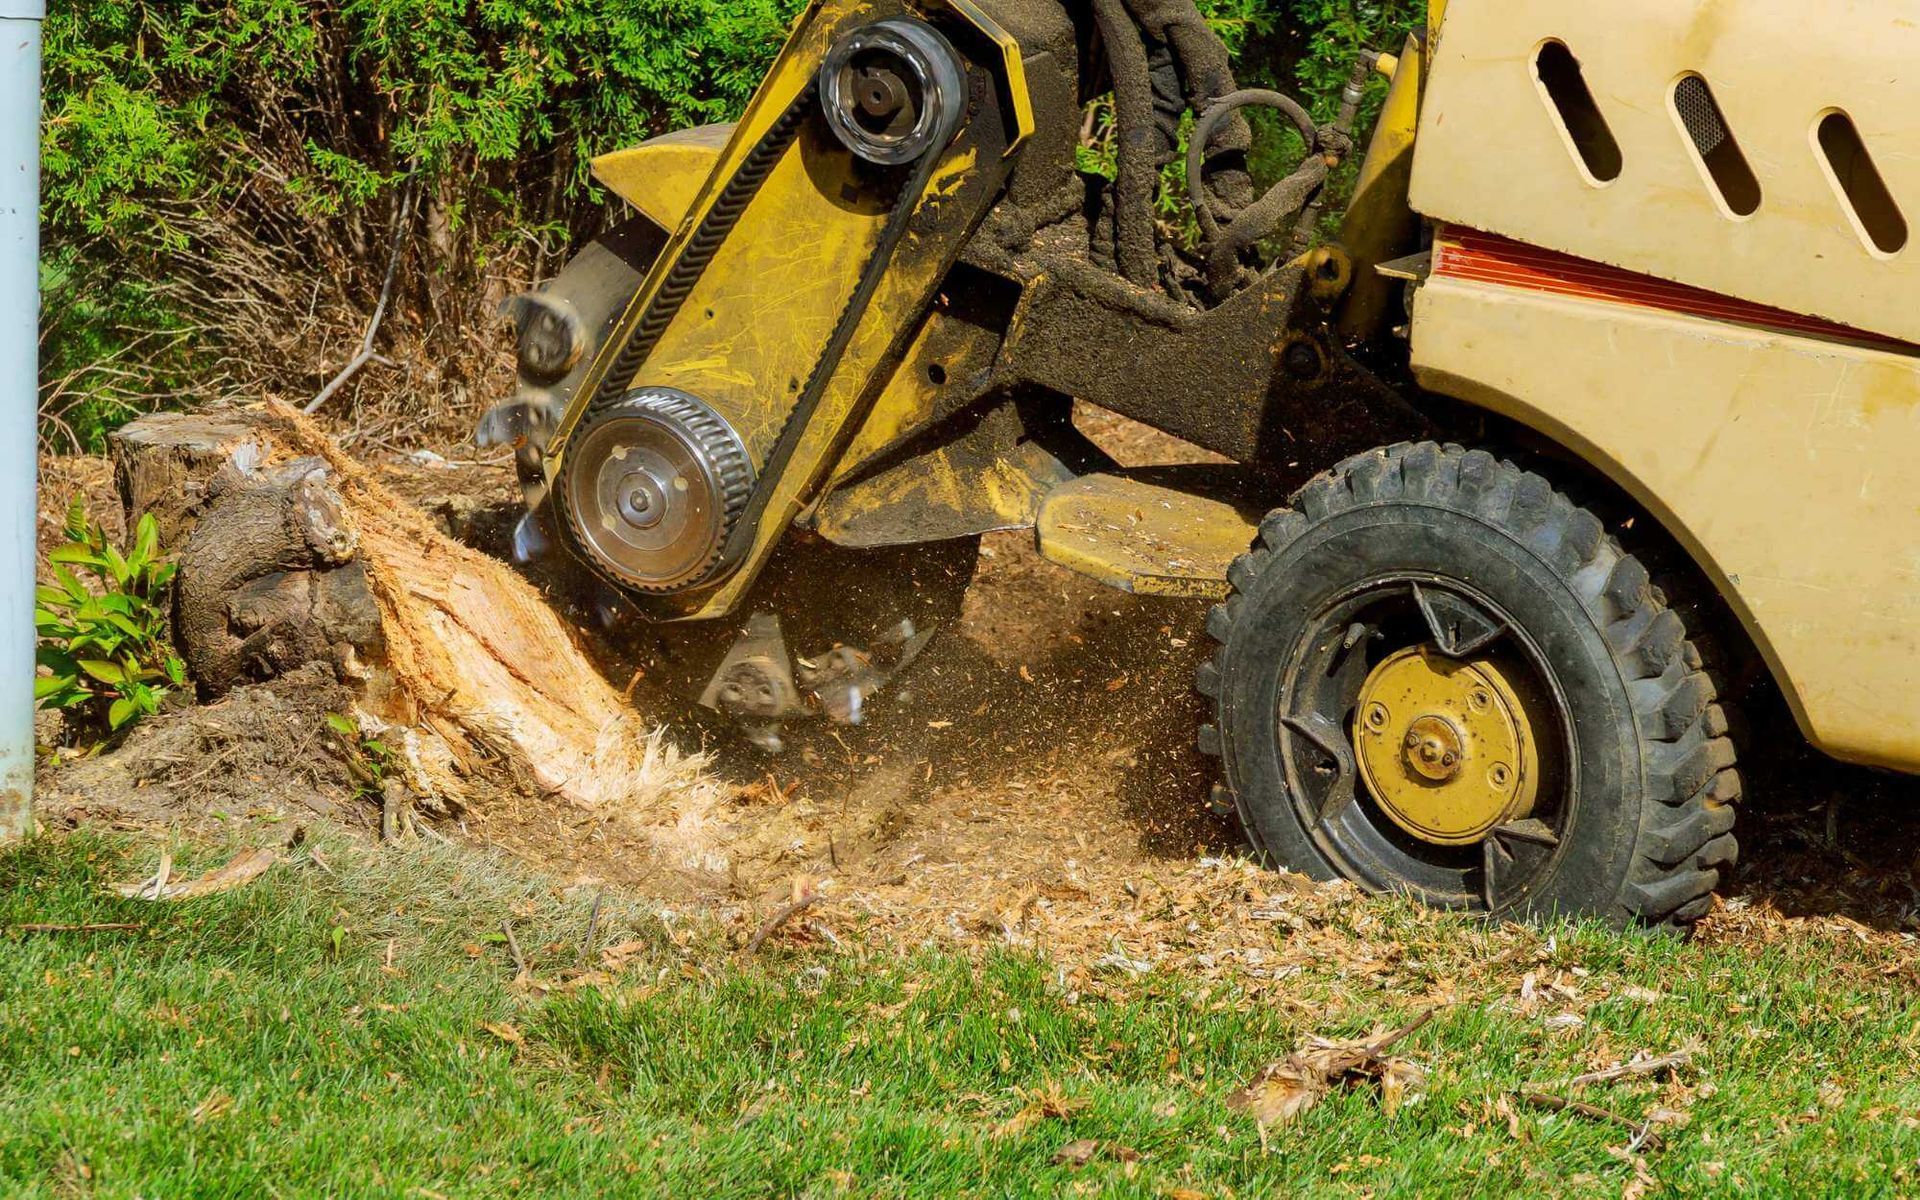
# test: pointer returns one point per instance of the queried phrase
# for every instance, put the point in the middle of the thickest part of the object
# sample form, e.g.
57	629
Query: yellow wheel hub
1445	747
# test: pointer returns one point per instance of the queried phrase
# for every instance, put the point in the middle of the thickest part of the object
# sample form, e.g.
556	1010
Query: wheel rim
1427	744
1445	746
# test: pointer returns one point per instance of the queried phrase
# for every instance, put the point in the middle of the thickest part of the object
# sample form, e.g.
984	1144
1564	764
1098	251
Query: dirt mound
261	754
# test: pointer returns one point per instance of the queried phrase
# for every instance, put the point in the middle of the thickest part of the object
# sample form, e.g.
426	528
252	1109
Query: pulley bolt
640	501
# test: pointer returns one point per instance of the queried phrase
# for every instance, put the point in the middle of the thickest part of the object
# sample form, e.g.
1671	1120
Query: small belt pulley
893	91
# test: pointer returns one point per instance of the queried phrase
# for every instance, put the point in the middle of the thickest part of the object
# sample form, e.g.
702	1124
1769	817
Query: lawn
351	1024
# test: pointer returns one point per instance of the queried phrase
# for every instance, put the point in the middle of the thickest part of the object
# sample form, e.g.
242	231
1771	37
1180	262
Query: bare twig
219	760
97	927
1643	1134
402	211
1628	1070
245	867
160	877
781	918
593	928
513	948
1388	1041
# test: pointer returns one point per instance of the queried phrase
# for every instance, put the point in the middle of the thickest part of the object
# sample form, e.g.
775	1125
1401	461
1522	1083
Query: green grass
258	1043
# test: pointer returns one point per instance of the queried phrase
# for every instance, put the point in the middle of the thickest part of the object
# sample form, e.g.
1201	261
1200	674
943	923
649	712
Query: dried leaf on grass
616	957
1283	1090
1042	1104
1077	1153
245	867
1081	1151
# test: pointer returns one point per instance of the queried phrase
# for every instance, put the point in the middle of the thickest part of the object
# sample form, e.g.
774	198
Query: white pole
19	399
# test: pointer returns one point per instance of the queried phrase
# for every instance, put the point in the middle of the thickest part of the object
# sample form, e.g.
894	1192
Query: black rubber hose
1206	73
1263	217
1133	111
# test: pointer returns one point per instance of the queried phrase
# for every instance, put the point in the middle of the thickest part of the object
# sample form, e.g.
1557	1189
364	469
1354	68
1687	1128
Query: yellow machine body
662	177
1751	379
747	336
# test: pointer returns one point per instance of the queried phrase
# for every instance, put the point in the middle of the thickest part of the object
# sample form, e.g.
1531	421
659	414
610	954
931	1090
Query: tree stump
163	464
291	553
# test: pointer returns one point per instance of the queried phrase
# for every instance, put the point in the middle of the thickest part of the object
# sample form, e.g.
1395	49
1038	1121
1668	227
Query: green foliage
155	111
369	760
233	169
102	628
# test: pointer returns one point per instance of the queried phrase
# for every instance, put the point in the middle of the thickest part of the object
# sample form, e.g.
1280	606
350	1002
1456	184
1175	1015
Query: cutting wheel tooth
530	541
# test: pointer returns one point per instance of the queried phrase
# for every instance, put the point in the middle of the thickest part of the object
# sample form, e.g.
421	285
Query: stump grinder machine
1619	286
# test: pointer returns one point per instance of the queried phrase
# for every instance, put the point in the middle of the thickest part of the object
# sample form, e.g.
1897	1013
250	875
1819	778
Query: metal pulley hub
1446	746
651	487
893	91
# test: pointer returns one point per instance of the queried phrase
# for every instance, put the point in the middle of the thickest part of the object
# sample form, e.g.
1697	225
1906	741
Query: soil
1032	775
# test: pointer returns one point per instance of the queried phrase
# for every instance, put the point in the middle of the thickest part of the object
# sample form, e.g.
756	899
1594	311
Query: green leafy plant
103	651
369	760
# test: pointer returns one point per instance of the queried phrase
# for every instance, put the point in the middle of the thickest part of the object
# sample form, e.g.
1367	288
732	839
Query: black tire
1647	789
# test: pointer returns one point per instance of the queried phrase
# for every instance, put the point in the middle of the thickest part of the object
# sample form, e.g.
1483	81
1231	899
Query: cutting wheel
651	486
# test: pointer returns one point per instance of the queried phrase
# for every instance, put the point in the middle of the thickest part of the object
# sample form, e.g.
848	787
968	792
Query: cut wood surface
293	547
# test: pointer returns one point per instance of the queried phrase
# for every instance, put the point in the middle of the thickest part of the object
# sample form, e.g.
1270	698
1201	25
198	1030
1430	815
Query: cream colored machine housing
1767	412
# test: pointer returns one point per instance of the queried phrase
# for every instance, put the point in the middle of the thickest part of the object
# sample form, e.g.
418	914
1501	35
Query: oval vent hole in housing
1572	104
1715	146
1861	187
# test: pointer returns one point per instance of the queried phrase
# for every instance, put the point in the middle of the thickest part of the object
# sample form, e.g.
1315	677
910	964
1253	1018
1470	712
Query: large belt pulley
656	489
652	486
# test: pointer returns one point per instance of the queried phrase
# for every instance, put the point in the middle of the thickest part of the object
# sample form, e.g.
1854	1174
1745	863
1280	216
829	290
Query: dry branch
403	211
1628	1070
513	948
780	918
243	869
95	927
1643	1135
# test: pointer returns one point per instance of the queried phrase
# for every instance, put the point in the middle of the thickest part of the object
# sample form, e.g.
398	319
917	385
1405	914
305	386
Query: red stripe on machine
1468	254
